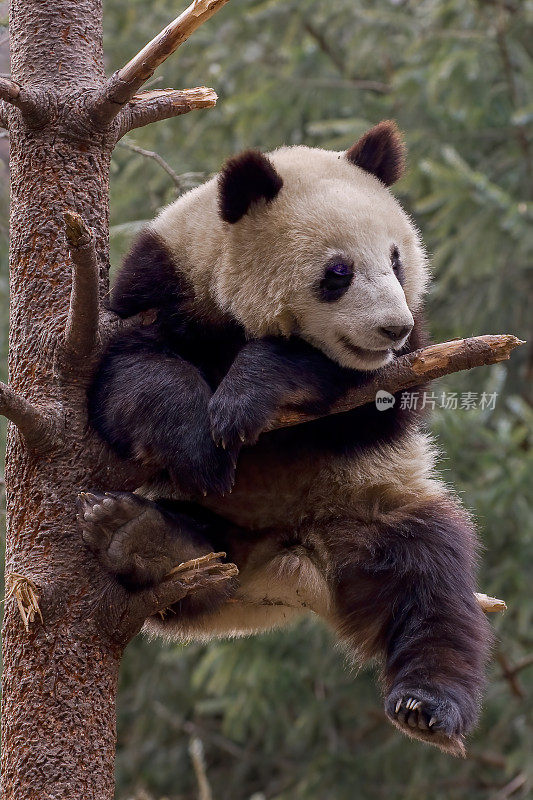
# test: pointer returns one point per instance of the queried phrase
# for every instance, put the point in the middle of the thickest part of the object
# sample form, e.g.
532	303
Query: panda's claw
428	714
90	497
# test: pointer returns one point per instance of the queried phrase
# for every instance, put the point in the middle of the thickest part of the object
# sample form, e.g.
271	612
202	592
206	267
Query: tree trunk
59	680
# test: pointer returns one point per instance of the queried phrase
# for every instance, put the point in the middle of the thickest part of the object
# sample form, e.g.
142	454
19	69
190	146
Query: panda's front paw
208	470
195	464
238	418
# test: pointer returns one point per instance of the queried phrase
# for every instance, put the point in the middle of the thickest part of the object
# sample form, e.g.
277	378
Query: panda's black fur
341	515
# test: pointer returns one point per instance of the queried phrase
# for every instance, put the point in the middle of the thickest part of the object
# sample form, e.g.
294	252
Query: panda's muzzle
396	333
363	353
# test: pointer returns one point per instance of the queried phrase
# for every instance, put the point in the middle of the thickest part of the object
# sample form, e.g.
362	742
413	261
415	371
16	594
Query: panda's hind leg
140	542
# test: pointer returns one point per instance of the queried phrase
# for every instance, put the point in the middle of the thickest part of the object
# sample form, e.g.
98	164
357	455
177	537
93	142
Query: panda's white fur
257	269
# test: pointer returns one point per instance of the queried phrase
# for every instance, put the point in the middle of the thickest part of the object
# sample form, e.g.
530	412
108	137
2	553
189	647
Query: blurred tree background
280	716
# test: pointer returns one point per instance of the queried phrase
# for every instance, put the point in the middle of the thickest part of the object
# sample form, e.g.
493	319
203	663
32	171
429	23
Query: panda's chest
212	349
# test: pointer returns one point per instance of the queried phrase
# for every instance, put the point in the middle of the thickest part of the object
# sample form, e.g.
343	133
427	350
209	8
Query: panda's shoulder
149	278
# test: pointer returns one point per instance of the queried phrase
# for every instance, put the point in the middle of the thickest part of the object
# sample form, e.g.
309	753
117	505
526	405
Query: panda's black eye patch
337	277
396	264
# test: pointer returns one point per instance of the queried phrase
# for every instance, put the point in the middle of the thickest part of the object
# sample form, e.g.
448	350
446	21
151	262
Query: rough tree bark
66	621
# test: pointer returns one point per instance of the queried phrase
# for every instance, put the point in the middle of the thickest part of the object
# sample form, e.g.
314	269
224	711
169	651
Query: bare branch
518	782
510	672
340	64
417	368
525	662
197	573
196	752
155	157
38	428
155	105
122	86
81	329
490	604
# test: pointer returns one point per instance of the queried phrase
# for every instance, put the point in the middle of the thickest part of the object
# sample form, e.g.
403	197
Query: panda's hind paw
433	718
115	527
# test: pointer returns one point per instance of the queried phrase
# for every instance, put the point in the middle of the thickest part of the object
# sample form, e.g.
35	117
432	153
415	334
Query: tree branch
510	672
15	95
155	157
123	85
81	328
198	573
415	369
158	104
9	91
38	428
490	604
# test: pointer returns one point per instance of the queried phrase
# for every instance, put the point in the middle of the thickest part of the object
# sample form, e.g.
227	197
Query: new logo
384	400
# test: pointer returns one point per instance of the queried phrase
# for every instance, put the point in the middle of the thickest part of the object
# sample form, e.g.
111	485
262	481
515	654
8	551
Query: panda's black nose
396	332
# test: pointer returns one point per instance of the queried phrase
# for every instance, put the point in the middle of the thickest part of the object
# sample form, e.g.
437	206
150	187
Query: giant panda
282	282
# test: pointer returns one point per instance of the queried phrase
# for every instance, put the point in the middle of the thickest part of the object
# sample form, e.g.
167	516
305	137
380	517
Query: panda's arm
268	374
151	405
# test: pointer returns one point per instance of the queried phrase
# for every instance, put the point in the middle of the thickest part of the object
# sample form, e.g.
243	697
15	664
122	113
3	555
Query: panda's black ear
380	151
244	180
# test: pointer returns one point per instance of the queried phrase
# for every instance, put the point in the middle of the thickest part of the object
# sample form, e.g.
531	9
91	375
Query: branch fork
29	104
123	86
39	426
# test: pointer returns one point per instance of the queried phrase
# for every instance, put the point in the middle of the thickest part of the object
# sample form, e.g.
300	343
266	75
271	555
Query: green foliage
281	715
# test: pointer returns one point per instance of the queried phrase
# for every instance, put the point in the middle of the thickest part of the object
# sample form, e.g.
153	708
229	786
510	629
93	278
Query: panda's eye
339	269
396	264
338	276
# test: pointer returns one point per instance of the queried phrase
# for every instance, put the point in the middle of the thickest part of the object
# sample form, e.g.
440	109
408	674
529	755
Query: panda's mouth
370	356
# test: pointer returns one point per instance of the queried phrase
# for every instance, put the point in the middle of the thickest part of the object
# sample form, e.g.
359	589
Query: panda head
315	244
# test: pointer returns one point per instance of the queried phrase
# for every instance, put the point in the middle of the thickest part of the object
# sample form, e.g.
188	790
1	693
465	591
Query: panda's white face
354	307
309	242
333	258
357	313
